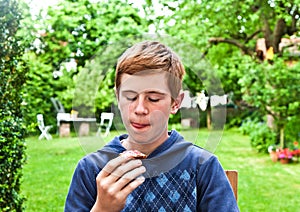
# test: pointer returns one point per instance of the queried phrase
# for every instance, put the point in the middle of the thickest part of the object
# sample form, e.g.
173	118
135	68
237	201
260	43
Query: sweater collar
167	156
116	146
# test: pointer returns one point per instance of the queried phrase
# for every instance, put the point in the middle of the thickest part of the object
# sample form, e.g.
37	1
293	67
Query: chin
142	138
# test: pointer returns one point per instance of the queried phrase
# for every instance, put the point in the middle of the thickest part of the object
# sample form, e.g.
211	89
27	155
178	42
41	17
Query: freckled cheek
130	107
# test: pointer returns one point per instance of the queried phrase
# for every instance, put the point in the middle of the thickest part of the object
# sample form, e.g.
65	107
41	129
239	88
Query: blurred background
58	59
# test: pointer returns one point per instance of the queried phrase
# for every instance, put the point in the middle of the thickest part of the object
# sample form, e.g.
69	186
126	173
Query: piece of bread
133	154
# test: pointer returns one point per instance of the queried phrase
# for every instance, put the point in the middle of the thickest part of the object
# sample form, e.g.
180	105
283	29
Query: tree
227	32
72	33
12	130
280	94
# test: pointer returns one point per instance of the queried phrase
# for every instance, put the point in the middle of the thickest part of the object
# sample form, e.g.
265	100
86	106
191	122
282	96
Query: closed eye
153	100
131	98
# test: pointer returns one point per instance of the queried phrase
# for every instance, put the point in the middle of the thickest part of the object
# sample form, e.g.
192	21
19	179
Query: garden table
80	123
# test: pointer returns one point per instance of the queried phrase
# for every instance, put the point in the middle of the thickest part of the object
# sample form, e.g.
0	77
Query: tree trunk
270	121
208	120
278	33
267	32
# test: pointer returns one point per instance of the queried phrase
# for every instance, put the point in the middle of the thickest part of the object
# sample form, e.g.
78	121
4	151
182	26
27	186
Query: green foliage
37	91
12	130
191	82
292	130
66	42
94	90
236	116
228	68
234	27
261	136
226	32
274	89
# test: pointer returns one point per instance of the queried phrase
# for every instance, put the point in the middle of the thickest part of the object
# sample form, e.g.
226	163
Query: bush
12	131
12	158
292	130
261	136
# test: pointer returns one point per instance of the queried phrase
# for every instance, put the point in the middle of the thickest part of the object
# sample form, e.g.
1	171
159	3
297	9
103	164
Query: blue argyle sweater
180	177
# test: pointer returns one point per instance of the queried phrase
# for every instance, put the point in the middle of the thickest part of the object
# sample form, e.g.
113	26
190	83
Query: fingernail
143	168
141	179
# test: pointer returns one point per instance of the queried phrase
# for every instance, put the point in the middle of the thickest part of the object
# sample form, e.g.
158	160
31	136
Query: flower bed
285	155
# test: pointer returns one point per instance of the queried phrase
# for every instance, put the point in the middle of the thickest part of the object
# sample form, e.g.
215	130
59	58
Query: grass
48	171
263	185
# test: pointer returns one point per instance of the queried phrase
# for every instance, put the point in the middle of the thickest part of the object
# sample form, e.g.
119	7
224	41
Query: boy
176	175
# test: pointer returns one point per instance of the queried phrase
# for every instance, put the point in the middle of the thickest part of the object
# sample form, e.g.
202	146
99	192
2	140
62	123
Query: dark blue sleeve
215	192
82	192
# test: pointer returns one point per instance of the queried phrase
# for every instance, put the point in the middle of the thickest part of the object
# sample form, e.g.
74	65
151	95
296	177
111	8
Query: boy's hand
116	181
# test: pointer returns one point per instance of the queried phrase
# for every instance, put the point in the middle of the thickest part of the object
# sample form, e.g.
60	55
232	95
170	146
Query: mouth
139	126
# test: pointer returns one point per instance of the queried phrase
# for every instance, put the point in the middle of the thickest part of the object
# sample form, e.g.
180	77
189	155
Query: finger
126	167
121	170
112	165
132	185
128	177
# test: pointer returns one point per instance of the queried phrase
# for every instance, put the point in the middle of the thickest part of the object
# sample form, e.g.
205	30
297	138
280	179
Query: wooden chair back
232	176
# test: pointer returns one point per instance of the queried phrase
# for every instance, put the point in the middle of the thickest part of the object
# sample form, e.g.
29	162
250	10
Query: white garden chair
44	129
106	120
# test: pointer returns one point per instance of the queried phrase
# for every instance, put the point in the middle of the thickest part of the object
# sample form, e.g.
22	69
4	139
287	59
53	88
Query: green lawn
263	185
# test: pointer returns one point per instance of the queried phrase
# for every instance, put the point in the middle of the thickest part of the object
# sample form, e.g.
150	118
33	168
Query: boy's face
145	104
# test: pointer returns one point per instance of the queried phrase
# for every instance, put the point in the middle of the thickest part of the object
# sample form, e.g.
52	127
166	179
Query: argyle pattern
175	191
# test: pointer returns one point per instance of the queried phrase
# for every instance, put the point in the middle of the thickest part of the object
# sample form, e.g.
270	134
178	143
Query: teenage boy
176	175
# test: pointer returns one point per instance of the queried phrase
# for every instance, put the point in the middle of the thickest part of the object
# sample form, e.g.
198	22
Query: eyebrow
147	92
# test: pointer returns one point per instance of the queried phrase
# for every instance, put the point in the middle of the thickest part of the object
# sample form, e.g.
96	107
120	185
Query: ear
176	103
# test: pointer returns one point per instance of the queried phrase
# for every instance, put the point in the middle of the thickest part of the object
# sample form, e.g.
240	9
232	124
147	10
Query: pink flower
285	153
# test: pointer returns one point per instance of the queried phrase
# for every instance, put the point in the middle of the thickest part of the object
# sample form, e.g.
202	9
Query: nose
141	107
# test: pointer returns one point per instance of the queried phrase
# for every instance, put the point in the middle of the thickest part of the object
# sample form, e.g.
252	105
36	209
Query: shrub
261	136
12	131
292	130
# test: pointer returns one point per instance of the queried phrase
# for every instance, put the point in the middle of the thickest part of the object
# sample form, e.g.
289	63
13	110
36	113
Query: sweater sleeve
82	192
215	192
